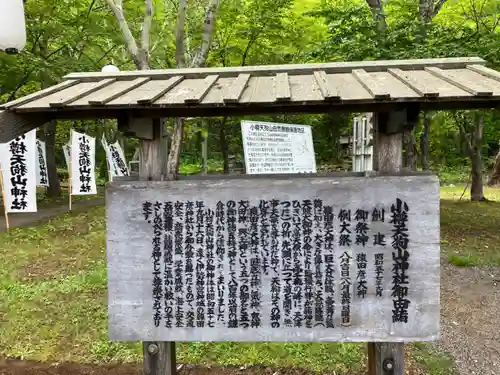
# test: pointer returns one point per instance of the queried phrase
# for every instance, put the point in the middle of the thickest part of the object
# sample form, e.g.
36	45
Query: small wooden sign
267	259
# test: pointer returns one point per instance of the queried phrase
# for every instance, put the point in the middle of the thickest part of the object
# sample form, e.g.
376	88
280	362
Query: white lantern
12	26
109	68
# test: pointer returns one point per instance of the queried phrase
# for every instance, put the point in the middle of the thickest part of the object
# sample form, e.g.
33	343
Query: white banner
42	176
82	164
67	153
272	148
111	167
18	159
118	158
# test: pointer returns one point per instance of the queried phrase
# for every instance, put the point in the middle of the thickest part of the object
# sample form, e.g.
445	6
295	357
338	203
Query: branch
116	8
437	7
146	26
377	8
208	31
250	43
180	56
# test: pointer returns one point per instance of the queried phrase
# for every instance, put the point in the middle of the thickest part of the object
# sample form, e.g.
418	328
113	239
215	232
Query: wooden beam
117	90
291	69
141	128
387	358
487	72
375	89
159	356
327	91
319	107
13	125
473	88
153	90
199	93
413	84
80	92
237	88
39	94
282	87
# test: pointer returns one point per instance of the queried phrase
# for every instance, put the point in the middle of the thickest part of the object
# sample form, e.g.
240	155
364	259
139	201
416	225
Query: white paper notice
272	148
42	177
18	159
82	164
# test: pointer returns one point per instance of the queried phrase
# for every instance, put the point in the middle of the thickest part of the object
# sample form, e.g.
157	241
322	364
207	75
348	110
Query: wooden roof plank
396	89
147	93
39	94
259	91
116	90
413	84
199	93
370	84
487	72
219	91
328	91
282	87
303	88
471	76
79	92
159	88
471	87
239	85
291	69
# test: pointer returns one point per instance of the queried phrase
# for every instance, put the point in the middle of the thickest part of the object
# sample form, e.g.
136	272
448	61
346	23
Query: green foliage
81	35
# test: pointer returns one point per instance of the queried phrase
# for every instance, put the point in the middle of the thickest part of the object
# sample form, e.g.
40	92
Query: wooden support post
159	357
387	358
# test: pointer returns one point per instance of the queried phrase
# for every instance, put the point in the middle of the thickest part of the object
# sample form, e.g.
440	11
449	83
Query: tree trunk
475	145
174	156
424	142
495	174
224	147
410	150
49	135
54	188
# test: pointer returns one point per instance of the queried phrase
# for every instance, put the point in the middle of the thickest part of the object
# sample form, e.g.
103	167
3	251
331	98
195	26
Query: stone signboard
258	259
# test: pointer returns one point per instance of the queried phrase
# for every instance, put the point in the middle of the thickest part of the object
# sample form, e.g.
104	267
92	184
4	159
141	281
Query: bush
62	174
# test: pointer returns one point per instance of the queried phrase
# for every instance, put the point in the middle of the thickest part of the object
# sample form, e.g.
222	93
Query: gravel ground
470	318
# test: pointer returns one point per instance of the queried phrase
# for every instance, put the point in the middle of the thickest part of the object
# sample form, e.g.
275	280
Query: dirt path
470	311
24	220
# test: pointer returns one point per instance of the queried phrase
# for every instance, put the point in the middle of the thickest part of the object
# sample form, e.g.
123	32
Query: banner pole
4	201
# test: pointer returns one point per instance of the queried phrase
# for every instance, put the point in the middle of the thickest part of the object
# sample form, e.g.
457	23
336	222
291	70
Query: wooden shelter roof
350	86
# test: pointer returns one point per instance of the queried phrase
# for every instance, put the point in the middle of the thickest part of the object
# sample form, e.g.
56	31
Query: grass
53	302
432	360
469	230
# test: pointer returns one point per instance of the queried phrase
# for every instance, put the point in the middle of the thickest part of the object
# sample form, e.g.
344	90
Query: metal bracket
388	365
